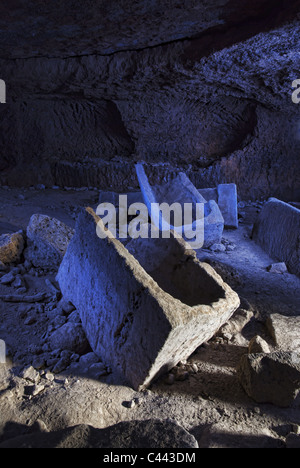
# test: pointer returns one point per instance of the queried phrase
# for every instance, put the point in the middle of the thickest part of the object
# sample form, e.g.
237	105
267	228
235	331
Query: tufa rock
277	231
11	247
7	279
271	378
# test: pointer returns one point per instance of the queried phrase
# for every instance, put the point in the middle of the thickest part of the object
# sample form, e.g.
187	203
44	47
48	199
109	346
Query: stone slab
271	378
141	323
227	202
277	231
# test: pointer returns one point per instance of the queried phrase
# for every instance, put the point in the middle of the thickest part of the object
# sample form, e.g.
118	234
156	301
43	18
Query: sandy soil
210	403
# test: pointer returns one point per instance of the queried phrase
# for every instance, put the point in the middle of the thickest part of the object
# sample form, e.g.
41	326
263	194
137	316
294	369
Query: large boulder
277	231
48	239
285	331
271	378
11	247
142	322
237	434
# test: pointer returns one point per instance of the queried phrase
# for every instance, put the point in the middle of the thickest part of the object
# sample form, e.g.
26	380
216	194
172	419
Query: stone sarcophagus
181	191
142	313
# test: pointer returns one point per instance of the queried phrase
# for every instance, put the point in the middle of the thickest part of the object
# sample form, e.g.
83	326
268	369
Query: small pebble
170	379
38	389
49	376
181	376
38	363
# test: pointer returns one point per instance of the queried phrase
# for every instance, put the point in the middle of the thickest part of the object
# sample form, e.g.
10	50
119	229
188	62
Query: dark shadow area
178	279
213	438
221	355
7	228
208	386
241	22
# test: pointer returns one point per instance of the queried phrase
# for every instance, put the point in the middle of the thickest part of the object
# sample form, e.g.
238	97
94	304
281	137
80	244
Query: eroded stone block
142	322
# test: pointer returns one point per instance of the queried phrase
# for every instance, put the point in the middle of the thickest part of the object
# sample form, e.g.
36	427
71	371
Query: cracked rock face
199	87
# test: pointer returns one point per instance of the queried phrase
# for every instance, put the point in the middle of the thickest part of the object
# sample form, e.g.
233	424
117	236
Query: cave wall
204	88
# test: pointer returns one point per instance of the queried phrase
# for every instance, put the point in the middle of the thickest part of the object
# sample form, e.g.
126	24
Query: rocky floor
204	396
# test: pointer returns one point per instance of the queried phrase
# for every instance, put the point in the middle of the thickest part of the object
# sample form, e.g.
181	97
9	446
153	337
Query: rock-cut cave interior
150	225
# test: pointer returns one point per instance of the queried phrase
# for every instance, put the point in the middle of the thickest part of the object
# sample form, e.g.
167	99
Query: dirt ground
210	403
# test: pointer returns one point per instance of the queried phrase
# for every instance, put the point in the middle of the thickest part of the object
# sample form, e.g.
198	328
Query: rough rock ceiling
203	86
